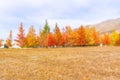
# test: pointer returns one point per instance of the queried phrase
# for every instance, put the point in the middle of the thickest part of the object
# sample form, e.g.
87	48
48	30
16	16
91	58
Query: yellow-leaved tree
89	37
92	36
114	37
31	38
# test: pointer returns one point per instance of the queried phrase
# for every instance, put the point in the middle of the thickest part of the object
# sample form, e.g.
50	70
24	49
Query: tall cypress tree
46	28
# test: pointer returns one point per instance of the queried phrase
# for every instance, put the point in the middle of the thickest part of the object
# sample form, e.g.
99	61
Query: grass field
84	63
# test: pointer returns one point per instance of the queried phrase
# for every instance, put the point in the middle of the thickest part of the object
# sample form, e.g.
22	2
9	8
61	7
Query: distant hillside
108	25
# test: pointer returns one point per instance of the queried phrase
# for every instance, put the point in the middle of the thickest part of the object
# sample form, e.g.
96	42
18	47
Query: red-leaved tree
50	39
21	36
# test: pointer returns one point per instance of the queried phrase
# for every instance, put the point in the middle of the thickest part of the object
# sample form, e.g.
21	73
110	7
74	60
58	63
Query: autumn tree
92	36
31	38
89	37
63	39
118	40
105	39
74	38
68	34
114	37
43	35
0	42
40	38
81	36
64	35
58	37
95	36
9	39
51	40
21	36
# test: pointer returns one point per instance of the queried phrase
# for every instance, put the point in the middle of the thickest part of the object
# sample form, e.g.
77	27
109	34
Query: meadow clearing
81	63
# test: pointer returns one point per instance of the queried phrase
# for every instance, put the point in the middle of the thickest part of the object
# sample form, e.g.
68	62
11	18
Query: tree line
67	37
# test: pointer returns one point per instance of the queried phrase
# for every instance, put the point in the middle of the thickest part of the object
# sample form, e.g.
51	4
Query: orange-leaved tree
81	36
0	42
21	36
74	38
64	37
68	34
58	37
95	36
9	39
118	40
40	39
105	39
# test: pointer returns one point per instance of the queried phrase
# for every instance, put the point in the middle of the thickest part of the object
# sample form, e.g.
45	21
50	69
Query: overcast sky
64	12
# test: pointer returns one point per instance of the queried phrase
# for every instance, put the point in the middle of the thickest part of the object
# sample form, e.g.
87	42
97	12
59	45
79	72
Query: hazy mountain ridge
108	25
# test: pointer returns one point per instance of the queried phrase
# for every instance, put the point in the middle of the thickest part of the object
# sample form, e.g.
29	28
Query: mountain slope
108	25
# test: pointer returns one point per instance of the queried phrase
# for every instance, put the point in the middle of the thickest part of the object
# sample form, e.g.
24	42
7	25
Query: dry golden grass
84	63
